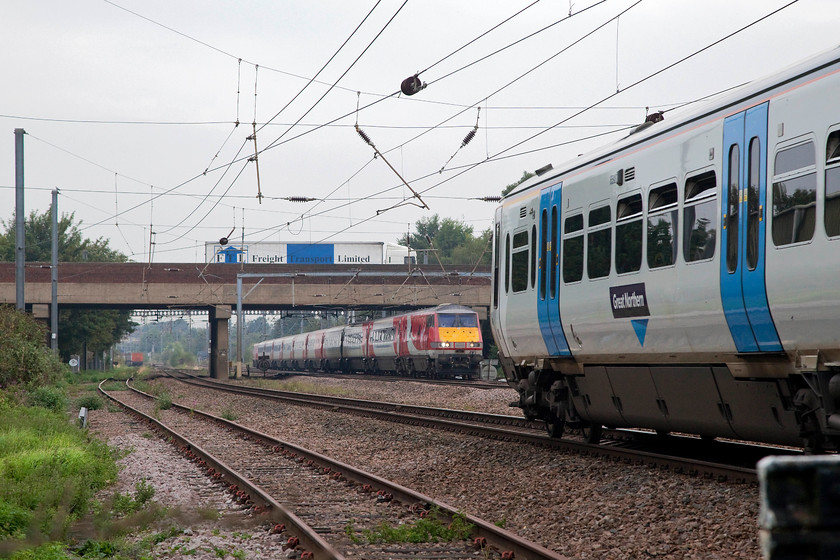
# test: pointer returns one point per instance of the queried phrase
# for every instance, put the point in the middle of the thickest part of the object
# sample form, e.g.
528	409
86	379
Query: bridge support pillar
41	313
219	347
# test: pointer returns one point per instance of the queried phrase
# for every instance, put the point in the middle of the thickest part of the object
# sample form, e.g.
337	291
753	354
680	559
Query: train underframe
800	409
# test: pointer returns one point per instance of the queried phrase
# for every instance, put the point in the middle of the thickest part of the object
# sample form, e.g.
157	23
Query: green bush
24	358
90	402
51	398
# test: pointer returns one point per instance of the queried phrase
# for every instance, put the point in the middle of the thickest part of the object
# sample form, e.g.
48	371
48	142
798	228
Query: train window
599	216
519	262
574	223
700	217
628	234
507	263
543	244
573	249
662	222
794	194
533	256
753	217
598	243
463	320
733	204
832	184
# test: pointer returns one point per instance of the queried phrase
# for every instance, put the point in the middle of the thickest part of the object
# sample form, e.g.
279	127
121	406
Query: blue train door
548	289
744	193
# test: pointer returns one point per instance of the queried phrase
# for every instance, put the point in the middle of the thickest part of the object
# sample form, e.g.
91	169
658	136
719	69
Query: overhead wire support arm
370	143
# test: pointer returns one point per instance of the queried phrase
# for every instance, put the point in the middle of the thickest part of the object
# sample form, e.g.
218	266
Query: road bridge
219	287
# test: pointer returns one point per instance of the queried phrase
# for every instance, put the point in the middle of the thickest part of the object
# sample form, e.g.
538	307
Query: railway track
324	506
717	459
475	383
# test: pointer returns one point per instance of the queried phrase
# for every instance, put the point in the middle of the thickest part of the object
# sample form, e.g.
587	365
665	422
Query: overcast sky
129	106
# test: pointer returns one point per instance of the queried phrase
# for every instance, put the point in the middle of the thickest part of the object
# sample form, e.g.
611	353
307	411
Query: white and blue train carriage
687	277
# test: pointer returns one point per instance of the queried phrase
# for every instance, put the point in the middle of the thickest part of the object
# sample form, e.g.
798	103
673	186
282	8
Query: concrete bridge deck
186	285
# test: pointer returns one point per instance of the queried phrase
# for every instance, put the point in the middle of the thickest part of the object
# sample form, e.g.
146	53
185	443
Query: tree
525	176
452	240
97	329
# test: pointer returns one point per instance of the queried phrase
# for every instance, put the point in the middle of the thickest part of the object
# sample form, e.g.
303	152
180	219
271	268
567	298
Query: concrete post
20	224
219	336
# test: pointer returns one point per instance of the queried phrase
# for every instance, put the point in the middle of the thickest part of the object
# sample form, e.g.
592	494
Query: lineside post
800	507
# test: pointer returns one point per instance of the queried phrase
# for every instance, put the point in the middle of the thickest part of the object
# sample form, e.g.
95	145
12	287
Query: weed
350	532
238	554
124	504
97	549
429	529
228	414
220	552
209	513
164	401
501	523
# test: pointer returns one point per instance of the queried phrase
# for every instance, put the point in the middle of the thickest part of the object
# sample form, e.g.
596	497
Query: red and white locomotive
442	341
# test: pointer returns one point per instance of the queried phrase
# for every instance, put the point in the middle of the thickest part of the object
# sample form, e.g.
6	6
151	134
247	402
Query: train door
548	267
743	202
498	313
401	341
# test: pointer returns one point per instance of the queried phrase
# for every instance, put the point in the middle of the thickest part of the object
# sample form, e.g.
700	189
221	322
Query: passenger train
439	342
687	277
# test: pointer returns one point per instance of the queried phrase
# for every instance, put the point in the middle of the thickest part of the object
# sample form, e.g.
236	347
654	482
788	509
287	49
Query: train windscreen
449	320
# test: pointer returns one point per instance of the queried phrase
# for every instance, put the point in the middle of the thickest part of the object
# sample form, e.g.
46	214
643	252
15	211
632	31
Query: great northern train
439	342
687	277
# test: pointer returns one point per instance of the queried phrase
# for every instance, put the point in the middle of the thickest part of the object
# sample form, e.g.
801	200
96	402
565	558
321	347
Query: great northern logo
629	301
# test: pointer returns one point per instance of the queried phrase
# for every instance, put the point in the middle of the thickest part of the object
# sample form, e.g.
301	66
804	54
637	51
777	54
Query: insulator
364	136
411	85
299	199
491	198
468	138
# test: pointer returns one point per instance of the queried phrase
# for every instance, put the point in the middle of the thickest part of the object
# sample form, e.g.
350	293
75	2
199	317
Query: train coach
439	342
685	278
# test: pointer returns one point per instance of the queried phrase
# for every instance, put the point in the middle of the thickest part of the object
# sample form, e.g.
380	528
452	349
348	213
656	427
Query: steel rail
418	416
309	539
509	544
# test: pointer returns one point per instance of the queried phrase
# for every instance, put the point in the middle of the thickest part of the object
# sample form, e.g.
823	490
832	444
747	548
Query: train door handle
725	411
663	406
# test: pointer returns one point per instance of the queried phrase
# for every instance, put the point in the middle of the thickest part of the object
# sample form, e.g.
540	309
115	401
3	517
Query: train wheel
431	371
592	433
554	425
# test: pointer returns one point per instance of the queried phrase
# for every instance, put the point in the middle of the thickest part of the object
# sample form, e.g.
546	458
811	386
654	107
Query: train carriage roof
707	109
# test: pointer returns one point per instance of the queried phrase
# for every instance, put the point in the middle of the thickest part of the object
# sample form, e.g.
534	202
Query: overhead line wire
496	156
347	40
